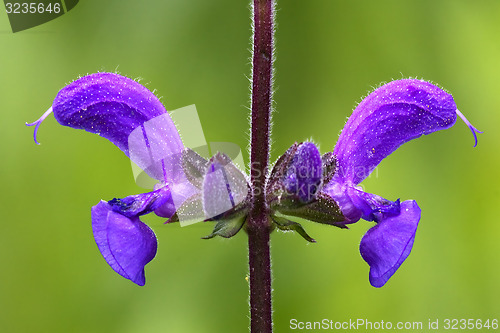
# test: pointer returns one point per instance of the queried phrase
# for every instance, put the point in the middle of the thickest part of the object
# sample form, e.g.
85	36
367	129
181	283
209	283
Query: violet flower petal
126	244
393	114
303	176
124	112
386	246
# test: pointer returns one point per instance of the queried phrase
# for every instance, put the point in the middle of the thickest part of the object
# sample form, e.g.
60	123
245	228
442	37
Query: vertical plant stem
258	225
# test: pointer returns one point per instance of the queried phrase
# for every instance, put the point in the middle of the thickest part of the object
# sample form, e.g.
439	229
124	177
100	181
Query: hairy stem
258	225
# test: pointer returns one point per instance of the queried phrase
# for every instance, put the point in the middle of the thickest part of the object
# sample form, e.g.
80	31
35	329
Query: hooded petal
108	104
126	244
393	114
386	246
124	112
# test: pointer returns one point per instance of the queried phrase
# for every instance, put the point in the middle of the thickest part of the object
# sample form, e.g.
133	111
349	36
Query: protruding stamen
472	128
38	122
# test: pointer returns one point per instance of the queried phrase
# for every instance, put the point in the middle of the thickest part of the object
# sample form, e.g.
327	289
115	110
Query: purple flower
131	117
390	116
303	183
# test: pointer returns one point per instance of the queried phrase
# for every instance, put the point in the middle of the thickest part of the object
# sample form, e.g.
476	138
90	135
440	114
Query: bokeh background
329	55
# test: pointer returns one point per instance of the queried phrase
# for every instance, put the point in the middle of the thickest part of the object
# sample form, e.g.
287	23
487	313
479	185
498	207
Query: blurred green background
329	55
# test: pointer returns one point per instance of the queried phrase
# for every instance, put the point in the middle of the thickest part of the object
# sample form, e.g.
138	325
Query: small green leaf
228	227
287	225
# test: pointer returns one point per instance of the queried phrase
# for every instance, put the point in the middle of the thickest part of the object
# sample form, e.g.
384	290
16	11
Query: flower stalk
258	226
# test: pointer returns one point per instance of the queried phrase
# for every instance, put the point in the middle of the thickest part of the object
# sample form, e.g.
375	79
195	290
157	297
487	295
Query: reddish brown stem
258	226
